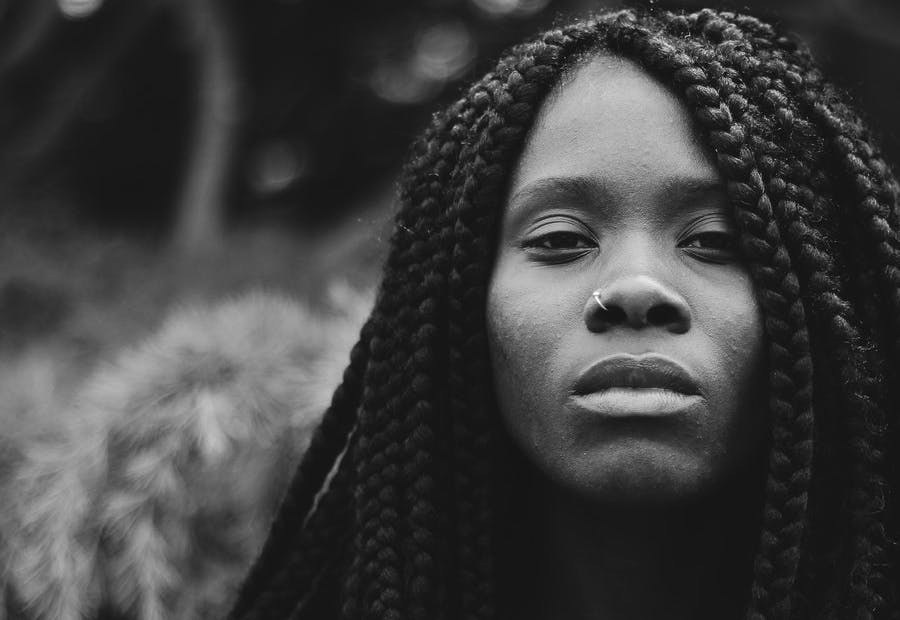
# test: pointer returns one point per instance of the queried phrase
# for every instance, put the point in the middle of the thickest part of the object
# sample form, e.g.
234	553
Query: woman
634	354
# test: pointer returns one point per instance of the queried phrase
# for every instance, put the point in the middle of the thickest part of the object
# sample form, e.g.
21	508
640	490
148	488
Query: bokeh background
154	152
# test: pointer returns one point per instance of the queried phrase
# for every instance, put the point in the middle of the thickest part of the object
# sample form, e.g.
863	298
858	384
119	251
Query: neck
583	561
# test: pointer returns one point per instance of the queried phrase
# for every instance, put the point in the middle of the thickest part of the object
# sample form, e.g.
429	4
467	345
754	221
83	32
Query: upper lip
630	371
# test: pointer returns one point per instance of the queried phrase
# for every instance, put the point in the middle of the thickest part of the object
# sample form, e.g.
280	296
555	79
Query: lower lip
632	402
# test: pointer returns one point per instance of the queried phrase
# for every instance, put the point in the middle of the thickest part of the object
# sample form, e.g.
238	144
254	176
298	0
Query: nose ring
596	295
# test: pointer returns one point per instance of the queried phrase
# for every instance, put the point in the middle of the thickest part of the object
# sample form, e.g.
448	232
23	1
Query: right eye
559	242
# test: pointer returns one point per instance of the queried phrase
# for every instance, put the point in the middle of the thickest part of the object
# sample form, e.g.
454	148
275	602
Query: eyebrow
587	189
576	188
693	187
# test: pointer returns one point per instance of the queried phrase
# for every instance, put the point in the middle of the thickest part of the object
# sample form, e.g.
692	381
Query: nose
638	301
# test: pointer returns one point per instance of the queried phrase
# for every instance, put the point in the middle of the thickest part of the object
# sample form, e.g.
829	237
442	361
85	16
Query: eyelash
717	254
564	253
567	251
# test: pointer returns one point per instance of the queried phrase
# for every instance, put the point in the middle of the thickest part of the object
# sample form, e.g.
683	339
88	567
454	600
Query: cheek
510	333
524	323
730	315
740	335
735	327
524	326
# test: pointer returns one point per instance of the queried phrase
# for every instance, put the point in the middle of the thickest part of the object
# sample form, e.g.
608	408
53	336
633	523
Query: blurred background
154	152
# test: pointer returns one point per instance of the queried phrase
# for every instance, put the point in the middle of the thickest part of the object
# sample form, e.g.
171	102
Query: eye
559	242
713	246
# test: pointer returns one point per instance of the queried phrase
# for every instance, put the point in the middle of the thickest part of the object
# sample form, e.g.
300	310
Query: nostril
614	315
663	314
637	302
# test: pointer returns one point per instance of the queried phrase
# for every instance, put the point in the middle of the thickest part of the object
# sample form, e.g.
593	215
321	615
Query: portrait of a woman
634	353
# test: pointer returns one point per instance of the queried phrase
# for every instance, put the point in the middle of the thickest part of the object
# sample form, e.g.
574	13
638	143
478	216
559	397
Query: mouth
628	385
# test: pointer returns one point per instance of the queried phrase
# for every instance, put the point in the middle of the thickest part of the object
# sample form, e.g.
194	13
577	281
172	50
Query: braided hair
392	512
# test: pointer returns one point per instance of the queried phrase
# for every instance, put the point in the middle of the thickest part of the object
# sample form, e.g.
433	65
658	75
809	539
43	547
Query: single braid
325	445
316	550
378	495
420	471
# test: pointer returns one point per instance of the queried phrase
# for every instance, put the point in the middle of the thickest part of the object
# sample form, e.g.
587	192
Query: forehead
612	121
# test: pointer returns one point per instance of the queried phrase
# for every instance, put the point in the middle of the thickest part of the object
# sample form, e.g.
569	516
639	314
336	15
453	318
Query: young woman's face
661	394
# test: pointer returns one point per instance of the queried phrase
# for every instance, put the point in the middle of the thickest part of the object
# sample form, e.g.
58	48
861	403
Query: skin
614	191
636	515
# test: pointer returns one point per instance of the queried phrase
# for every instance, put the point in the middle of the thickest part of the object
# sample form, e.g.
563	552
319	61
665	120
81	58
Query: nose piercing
596	295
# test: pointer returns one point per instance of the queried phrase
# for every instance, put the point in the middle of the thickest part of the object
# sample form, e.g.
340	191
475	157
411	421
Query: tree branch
200	206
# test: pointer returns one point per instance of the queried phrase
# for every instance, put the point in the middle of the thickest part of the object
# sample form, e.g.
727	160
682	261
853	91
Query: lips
647	372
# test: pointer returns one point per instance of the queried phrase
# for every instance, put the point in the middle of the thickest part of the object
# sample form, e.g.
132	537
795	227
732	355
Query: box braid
799	88
788	180
405	528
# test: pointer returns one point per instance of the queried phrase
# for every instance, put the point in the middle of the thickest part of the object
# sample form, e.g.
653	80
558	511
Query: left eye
712	245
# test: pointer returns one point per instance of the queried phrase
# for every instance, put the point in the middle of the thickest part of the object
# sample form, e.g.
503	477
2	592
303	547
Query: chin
640	475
